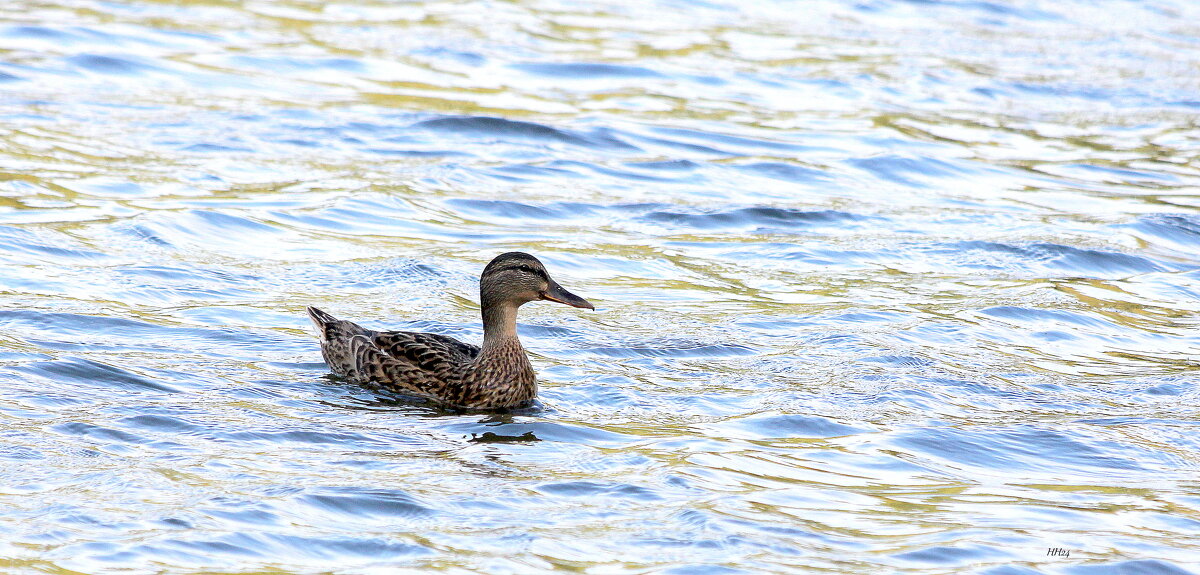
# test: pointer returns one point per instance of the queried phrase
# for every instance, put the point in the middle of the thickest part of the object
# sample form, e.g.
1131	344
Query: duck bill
556	293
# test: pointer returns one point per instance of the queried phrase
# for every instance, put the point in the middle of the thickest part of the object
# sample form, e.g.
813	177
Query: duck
494	375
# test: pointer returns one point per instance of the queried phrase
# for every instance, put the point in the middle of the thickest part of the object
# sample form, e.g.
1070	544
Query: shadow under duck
458	374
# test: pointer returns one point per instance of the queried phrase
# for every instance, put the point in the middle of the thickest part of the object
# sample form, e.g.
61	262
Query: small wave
785	172
1082	262
305	437
736	144
39	32
908	170
592	489
586	70
97	432
291	64
898	360
944	555
754	217
508	130
368	503
42	245
1036	315
160	423
109	187
526	172
674	350
525	211
88	372
20	453
324	551
516	210
1176	231
666	165
769	425
1027	448
123	65
81	329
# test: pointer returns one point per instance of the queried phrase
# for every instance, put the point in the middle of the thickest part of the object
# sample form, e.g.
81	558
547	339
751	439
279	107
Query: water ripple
892	286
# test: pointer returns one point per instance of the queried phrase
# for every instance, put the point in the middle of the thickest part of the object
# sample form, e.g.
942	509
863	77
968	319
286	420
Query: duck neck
502	368
499	325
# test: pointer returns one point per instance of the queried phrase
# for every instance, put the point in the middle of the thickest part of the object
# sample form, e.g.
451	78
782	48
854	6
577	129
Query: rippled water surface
883	286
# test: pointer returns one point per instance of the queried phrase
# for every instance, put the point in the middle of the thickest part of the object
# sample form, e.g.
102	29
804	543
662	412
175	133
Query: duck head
516	278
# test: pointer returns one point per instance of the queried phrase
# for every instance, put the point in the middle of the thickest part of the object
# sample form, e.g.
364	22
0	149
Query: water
882	286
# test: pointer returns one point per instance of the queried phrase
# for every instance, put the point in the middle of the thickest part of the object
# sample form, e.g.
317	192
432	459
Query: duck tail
340	340
320	319
330	327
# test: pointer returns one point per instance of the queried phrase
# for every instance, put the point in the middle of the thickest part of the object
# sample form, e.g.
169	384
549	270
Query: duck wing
412	362
439	355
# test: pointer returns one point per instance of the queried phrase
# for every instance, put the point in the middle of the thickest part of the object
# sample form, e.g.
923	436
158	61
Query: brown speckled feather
431	352
418	363
427	364
443	368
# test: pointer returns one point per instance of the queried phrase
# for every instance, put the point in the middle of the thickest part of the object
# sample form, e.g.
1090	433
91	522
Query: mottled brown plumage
496	375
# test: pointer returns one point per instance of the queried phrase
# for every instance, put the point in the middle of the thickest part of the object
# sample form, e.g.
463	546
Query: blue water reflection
885	286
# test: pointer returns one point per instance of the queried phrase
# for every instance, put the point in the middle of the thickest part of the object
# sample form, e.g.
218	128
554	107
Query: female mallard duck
495	375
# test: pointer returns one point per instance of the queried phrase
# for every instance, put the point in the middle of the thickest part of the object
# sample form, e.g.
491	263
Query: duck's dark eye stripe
518	266
529	269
